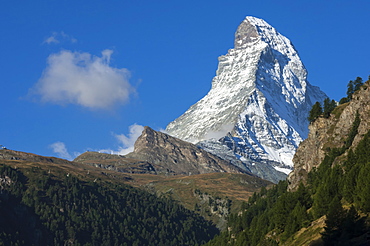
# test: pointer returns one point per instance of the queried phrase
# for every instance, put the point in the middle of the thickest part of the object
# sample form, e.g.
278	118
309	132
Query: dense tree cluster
317	110
272	216
42	210
352	87
270	210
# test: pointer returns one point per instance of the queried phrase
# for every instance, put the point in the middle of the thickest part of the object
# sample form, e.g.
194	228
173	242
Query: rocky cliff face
177	156
259	101
331	133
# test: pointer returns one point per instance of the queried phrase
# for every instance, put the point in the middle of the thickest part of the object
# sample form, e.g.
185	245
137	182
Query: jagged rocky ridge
161	154
177	156
331	133
255	114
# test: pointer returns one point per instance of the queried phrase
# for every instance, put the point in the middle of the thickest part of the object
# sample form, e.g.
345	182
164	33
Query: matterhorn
255	114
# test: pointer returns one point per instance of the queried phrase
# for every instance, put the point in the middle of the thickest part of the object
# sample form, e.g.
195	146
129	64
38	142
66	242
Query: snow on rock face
260	95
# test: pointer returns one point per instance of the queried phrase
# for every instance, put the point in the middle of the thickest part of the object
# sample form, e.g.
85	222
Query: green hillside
43	207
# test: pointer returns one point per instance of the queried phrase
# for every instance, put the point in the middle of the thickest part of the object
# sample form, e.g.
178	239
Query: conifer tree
315	112
353	86
295	220
353	225
334	220
321	200
350	89
304	196
357	84
329	106
363	188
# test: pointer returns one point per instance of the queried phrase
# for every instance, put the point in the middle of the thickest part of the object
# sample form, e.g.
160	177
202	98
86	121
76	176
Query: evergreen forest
40	209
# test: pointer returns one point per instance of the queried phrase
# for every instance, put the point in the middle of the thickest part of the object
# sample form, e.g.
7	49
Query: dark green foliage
315	112
341	225
273	209
350	90
356	186
343	100
297	219
334	221
353	225
363	188
357	83
327	189
353	86
350	178
329	106
43	210
18	222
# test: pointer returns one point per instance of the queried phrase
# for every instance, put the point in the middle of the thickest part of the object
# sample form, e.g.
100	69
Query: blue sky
156	59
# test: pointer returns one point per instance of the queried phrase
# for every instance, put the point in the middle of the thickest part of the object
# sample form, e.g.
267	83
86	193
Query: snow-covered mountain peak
254	29
259	100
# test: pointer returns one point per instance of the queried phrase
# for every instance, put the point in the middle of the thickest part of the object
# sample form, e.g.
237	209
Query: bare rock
177	155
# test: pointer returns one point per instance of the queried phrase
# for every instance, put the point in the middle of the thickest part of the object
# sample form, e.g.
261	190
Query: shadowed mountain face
258	104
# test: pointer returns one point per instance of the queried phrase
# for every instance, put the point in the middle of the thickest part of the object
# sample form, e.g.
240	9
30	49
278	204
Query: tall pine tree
315	112
334	220
329	106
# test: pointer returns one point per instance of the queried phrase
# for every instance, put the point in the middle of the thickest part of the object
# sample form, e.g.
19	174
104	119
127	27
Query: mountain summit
258	105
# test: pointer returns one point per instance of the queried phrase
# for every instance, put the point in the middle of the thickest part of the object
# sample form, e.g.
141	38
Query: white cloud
83	79
57	37
128	141
61	150
225	129
51	40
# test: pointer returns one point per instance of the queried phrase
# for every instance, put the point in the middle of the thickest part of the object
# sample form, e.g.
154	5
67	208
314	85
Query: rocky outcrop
331	133
177	156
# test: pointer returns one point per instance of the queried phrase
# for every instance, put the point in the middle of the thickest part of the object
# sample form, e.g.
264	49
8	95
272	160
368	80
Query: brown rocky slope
176	155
